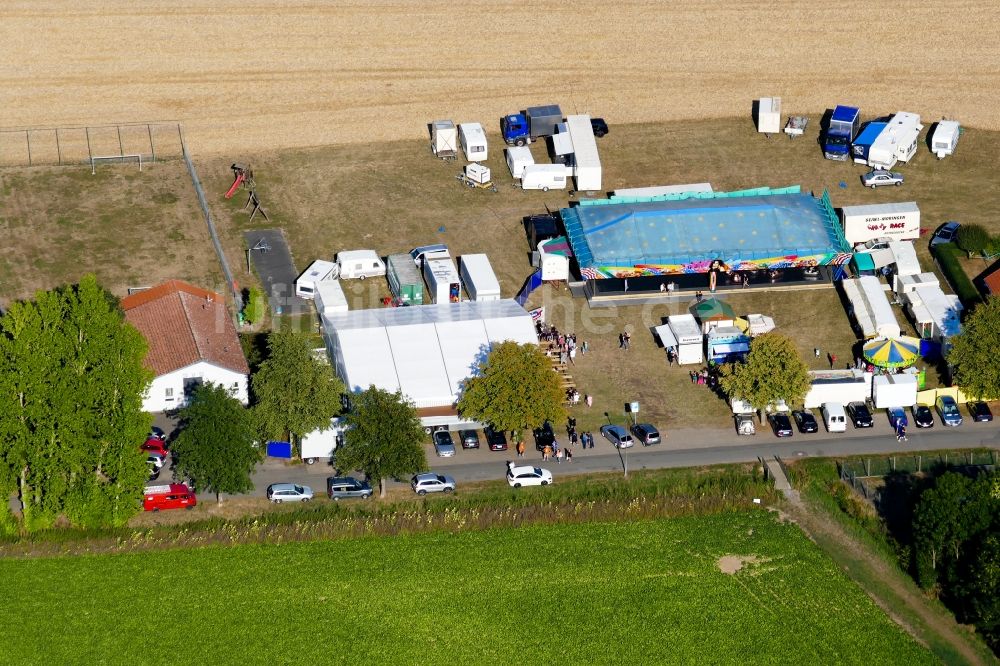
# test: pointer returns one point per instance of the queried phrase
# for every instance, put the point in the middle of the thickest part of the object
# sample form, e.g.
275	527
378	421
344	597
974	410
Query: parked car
947	411
805	421
444	446
878	177
495	439
897	417
288	492
780	424
154	445
617	435
544	436
470	439
980	412
156	461
646	433
526	475
922	416
429	482
946	233
158	433
860	416
600	127
346	487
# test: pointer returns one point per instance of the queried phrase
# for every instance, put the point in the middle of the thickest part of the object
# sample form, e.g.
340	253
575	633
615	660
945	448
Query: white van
835	417
544	177
360	264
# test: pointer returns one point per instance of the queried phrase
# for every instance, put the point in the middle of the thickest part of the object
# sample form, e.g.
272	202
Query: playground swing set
243	179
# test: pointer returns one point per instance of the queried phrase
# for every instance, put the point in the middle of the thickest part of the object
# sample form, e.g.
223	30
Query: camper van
544	177
318	272
945	138
835	417
360	264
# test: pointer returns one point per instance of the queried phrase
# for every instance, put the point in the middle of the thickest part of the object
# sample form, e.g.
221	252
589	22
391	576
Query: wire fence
90	144
867	475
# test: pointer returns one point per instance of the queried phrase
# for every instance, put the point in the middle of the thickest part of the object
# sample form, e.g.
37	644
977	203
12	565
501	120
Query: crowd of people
564	344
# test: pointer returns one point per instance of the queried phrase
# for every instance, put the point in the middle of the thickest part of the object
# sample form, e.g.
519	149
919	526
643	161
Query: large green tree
973	238
215	447
515	387
773	371
974	352
71	421
383	437
294	393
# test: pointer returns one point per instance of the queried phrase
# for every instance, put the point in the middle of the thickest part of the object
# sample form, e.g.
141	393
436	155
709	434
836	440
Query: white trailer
894	221
320	444
945	138
477	274
318	271
838	386
330	298
359	264
586	160
472	136
544	177
870	308
769	115
518	157
690	340
897	142
442	281
444	138
894	391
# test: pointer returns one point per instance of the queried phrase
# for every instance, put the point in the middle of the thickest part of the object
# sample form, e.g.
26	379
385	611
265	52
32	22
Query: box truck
318	271
360	264
544	177
472	136
480	282
844	125
945	138
404	279
893	221
443	282
519	129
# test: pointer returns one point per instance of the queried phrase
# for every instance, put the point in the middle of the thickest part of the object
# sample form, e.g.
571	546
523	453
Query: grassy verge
646	494
949	259
738	587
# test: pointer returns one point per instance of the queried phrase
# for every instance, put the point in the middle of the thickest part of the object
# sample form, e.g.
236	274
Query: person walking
520	448
627	338
833	360
559	456
572	355
621	341
816	351
546	452
589	400
569	455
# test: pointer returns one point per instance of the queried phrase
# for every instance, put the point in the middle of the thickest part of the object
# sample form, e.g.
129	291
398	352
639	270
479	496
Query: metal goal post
94	159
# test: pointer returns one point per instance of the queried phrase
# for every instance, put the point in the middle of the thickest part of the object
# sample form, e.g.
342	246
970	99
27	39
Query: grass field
641	592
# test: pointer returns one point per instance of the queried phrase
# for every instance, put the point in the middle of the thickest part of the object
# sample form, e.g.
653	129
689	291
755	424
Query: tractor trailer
844	125
519	129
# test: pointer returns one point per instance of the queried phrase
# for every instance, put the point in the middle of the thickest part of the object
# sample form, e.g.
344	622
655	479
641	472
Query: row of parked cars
444	444
860	416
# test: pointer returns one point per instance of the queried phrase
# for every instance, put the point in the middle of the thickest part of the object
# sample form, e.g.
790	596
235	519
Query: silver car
288	492
878	177
444	446
617	435
428	482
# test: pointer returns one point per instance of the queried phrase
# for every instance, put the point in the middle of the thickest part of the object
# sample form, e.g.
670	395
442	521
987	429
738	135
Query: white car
429	482
617	435
528	476
879	177
288	492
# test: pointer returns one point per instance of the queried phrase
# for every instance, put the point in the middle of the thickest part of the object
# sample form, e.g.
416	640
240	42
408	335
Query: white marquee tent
425	351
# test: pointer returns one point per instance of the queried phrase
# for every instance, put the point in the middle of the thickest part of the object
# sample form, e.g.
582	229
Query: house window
169	394
236	388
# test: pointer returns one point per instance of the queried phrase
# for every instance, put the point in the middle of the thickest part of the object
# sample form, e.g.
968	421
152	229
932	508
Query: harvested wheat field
251	76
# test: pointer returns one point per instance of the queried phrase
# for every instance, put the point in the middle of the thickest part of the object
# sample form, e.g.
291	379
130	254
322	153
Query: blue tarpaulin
279	449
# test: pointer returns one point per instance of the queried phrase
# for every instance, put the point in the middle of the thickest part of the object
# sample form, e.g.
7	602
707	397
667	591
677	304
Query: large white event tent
425	351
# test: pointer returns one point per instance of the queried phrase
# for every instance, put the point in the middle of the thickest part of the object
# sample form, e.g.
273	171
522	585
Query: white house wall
167	391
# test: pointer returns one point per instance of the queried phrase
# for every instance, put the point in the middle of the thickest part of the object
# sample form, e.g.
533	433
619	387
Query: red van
173	496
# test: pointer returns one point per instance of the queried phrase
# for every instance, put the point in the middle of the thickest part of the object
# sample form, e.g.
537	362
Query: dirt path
898	596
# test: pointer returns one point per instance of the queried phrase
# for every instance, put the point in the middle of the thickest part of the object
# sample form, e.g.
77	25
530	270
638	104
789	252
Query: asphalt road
681	449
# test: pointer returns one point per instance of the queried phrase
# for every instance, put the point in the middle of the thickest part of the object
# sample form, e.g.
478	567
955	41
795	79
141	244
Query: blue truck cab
844	125
514	129
534	122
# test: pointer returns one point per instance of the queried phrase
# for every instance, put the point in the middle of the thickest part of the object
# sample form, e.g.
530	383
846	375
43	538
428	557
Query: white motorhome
330	298
897	142
360	264
834	417
318	271
893	221
945	138
443	281
477	274
769	115
472	136
586	160
518	157
544	177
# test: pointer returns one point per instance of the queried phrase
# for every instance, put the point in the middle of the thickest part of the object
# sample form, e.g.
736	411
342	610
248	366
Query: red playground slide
236	184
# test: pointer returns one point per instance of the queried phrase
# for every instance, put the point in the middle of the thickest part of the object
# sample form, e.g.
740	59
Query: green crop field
629	592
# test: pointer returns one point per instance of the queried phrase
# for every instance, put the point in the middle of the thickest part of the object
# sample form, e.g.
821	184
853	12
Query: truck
535	122
480	281
893	221
404	279
442	281
845	122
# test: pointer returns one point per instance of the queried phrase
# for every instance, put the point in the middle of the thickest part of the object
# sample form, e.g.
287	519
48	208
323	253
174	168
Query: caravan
945	138
472	136
544	177
318	272
360	264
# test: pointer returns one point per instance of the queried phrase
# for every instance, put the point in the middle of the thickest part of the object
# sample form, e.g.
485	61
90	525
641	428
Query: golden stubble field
248	76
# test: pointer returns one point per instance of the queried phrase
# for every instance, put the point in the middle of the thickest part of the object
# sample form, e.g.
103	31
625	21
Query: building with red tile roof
992	283
192	340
